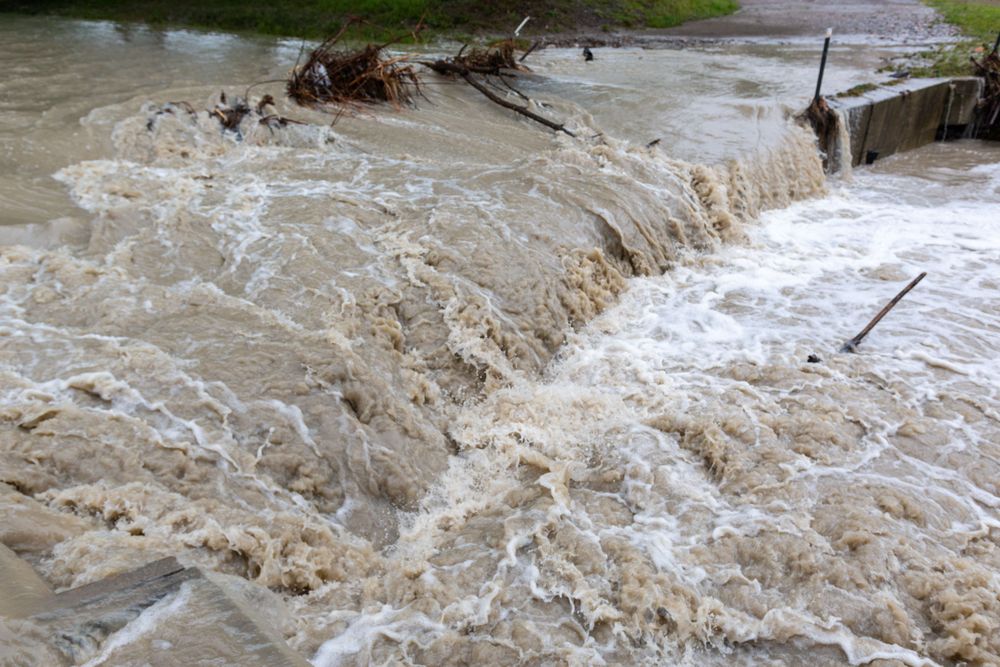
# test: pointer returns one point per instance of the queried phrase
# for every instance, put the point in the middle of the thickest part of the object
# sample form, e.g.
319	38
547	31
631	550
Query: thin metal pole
996	44
517	30
822	63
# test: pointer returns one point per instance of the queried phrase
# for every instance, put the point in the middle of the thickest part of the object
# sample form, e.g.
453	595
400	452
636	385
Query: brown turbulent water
460	391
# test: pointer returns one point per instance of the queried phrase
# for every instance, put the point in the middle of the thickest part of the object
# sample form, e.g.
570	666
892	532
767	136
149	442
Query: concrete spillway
890	119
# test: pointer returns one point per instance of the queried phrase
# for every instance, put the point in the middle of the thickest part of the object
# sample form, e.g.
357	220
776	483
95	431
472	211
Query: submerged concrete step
22	592
29	527
205	623
164	614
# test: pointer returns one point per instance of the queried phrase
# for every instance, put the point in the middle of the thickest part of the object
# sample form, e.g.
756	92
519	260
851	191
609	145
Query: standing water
461	391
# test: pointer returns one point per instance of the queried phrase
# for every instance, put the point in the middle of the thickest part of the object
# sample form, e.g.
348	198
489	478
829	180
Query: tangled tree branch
988	108
480	64
344	79
332	76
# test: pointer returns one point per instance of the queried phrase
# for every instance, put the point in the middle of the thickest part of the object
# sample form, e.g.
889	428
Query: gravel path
898	20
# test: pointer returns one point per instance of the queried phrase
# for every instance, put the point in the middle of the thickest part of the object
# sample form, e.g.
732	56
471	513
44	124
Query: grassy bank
979	21
384	19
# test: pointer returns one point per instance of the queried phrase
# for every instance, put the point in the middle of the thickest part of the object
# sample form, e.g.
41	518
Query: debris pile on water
344	78
491	59
492	70
825	123
989	104
230	112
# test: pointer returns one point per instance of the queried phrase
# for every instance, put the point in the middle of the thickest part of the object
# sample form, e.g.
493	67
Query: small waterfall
841	157
947	112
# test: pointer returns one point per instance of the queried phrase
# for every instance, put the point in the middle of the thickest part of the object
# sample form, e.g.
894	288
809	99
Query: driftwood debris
534	45
825	123
852	345
486	68
489	60
230	112
230	115
345	79
988	108
266	114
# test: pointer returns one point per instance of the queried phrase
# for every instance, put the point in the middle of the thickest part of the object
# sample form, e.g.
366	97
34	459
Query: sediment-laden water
461	391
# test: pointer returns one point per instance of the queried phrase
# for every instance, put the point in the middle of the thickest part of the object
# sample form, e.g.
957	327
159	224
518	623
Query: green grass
298	18
858	90
946	61
384	19
665	13
979	21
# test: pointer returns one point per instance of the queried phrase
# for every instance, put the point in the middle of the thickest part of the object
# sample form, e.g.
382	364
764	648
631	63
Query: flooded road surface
461	391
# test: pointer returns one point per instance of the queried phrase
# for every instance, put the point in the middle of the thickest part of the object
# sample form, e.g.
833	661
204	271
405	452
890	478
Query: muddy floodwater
441	387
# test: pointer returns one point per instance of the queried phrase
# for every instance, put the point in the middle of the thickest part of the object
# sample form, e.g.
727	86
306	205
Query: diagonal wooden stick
469	79
534	45
852	345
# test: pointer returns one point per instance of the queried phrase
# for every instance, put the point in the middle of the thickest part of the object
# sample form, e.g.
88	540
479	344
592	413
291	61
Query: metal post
517	30
822	64
996	44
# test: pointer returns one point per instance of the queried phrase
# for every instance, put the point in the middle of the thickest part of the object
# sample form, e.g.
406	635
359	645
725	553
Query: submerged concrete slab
29	527
22	592
204	623
165	614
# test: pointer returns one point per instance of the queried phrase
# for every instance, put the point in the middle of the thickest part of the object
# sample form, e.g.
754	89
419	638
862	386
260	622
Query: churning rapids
449	389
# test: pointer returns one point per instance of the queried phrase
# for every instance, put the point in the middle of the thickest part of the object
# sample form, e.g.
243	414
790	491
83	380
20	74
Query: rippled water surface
446	388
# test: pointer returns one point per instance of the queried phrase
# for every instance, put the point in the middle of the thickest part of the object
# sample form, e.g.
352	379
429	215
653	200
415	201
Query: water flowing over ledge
464	392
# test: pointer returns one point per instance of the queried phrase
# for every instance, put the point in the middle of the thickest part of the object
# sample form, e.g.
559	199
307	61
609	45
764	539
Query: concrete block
167	615
22	591
904	117
894	118
967	91
29	527
204	624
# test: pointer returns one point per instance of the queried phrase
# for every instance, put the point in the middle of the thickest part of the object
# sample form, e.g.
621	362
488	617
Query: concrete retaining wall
892	119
